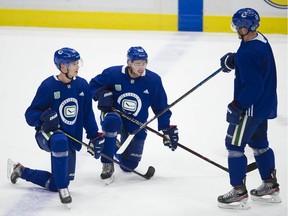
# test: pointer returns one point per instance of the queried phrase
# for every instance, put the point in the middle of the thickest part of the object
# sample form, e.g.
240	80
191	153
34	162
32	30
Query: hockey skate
107	173
65	197
234	199
14	170
268	191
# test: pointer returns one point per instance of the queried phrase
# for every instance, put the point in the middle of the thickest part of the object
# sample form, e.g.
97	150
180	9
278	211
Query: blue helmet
136	53
65	56
245	18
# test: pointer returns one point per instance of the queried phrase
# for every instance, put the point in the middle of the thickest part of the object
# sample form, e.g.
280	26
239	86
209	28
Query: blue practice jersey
255	82
134	96
71	101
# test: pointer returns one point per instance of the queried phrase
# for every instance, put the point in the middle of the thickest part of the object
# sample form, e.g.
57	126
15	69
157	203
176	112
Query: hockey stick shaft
131	136
250	167
109	158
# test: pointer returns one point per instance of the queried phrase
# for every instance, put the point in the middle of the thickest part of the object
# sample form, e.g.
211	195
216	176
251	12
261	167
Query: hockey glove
50	121
227	62
96	145
105	101
171	134
234	113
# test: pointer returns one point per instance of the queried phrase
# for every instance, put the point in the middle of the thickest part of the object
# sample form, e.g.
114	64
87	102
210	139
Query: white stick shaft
125	144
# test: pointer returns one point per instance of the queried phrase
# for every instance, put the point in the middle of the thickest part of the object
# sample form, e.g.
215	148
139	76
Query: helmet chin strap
66	74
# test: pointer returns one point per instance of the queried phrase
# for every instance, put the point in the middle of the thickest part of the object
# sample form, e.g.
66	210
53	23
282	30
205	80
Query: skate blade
68	206
243	205
10	166
274	198
109	181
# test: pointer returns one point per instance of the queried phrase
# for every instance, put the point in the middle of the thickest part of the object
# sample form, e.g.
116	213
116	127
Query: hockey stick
149	174
250	167
131	136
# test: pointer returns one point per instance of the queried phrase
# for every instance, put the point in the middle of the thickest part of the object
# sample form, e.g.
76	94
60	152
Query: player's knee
59	143
130	164
234	151
111	123
261	151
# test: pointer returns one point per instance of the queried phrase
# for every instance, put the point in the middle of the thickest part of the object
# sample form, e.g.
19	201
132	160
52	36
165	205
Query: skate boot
65	197
234	199
268	191
14	171
107	173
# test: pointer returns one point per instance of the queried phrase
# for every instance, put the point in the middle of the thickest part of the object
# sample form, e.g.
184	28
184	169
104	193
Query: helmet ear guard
65	56
245	18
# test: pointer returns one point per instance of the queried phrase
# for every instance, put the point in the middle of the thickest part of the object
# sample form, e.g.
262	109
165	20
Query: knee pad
59	143
111	123
258	152
235	154
128	163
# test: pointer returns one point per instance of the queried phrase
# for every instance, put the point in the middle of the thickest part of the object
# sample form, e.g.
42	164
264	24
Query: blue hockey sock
265	161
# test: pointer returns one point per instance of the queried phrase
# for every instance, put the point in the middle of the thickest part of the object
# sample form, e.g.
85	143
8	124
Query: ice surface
184	184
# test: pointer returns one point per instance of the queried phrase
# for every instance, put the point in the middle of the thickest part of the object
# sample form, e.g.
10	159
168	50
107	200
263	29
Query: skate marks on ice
32	202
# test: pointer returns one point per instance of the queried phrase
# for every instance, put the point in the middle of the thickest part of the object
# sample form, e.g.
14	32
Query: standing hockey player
132	89
62	102
255	101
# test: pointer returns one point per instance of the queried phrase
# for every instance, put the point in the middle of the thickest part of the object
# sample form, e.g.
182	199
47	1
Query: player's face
137	68
73	68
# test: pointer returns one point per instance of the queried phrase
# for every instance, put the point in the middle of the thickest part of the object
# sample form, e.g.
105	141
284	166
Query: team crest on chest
130	102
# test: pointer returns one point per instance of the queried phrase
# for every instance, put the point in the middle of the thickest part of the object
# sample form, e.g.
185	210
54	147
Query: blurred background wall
162	15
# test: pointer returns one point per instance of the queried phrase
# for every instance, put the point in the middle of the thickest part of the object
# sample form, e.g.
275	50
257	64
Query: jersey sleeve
159	104
39	104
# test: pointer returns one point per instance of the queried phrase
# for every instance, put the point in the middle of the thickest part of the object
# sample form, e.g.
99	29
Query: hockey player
131	89
61	105
255	101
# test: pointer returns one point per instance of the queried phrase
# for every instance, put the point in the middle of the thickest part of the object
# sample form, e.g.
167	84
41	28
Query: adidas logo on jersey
146	91
81	94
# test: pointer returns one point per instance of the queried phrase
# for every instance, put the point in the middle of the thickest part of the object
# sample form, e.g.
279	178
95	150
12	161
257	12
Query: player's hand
234	113
96	145
171	134
227	62
50	121
105	101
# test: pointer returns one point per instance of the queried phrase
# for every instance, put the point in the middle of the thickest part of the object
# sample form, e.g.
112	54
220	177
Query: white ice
184	184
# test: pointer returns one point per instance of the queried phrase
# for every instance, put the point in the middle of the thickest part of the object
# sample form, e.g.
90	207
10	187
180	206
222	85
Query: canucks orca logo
130	103
68	110
281	4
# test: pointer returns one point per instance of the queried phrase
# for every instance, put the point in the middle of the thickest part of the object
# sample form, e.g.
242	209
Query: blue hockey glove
105	101
227	62
50	121
96	145
234	113
171	134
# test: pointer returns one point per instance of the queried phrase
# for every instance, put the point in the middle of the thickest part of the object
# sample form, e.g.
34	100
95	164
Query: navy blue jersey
255	82
134	96
71	101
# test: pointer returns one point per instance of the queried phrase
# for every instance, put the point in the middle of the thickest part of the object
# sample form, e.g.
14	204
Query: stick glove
171	134
105	101
227	62
234	113
50	121
96	145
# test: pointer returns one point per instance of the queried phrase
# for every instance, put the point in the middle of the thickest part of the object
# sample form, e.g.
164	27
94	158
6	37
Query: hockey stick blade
127	142
149	174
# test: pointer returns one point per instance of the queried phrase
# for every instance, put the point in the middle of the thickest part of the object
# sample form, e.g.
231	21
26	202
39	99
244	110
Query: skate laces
229	194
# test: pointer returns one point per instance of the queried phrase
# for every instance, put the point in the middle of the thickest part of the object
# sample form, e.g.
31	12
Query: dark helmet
245	18
136	53
65	56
